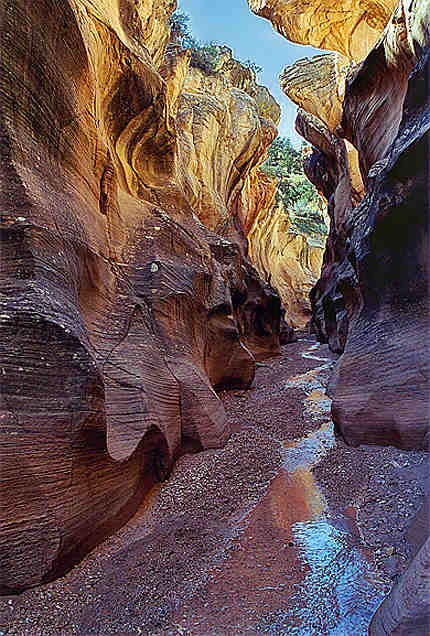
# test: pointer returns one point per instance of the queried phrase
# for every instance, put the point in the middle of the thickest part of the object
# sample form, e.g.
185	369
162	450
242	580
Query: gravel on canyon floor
239	539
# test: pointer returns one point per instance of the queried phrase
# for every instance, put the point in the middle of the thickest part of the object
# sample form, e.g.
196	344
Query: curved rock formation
406	611
371	163
121	307
366	300
388	403
317	86
351	28
290	262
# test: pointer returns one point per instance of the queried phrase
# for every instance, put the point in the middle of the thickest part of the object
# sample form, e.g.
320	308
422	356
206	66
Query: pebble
194	511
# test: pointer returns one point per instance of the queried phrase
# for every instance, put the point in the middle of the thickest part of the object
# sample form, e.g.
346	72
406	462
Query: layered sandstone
364	120
317	86
125	297
405	612
350	28
370	133
288	260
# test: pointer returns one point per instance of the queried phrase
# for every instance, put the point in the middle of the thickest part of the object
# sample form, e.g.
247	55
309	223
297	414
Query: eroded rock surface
126	297
369	126
406	611
289	261
350	28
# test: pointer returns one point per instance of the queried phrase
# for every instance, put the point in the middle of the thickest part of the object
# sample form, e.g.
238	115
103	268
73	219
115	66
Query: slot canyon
213	413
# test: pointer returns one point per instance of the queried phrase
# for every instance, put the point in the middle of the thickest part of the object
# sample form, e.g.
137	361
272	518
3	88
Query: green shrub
295	191
204	56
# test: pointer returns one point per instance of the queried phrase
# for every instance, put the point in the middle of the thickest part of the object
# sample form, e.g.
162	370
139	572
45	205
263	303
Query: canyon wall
126	296
288	260
365	108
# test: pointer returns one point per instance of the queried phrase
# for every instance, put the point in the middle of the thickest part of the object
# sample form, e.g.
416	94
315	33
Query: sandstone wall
125	294
367	113
350	28
290	262
368	124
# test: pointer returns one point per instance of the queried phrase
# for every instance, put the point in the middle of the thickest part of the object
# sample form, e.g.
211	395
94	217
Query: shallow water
308	451
295	568
339	592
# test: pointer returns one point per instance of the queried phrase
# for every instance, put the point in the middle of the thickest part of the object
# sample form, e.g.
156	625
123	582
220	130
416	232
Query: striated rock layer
290	262
350	28
125	294
369	123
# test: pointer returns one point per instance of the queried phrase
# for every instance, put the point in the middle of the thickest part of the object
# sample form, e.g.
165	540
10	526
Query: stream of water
240	540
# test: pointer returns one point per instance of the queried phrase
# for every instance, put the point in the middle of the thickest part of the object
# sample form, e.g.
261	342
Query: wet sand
282	531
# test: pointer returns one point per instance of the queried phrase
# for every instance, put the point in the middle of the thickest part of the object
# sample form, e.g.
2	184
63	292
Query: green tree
203	56
180	33
296	192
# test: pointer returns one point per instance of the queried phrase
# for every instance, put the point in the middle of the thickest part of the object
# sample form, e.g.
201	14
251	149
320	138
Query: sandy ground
282	531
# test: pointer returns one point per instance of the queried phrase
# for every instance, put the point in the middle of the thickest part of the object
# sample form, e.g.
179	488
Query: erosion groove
150	264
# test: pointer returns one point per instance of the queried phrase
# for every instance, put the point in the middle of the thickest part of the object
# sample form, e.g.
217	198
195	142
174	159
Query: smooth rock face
406	611
288	261
336	295
351	28
318	86
389	248
121	307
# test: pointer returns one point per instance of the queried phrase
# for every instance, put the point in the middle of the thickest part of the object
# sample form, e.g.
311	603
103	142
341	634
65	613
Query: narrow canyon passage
282	531
161	235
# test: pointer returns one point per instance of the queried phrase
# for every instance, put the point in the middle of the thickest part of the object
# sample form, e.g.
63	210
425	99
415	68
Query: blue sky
231	22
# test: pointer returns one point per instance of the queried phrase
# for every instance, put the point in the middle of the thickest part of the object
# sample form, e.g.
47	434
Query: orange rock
121	308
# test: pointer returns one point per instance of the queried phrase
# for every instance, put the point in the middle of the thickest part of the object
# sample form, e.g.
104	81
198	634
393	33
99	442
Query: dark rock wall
371	302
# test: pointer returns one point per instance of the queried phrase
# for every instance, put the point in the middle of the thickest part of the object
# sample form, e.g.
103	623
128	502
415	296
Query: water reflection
308	381
330	585
337	596
310	356
309	450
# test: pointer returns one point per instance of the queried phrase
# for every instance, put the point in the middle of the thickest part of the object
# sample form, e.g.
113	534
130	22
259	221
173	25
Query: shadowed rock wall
368	123
124	290
368	116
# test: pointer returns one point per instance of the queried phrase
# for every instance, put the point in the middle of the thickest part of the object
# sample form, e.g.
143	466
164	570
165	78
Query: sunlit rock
351	28
289	261
121	308
367	123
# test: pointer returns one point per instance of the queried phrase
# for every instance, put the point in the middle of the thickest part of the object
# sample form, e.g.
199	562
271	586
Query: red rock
120	309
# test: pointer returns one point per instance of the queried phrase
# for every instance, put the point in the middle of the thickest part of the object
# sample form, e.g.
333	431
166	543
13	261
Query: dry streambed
282	531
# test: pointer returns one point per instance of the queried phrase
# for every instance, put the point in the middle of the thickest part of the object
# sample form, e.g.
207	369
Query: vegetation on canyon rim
284	162
205	56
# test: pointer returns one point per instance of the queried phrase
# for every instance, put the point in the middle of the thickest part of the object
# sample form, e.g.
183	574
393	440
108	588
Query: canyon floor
282	531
